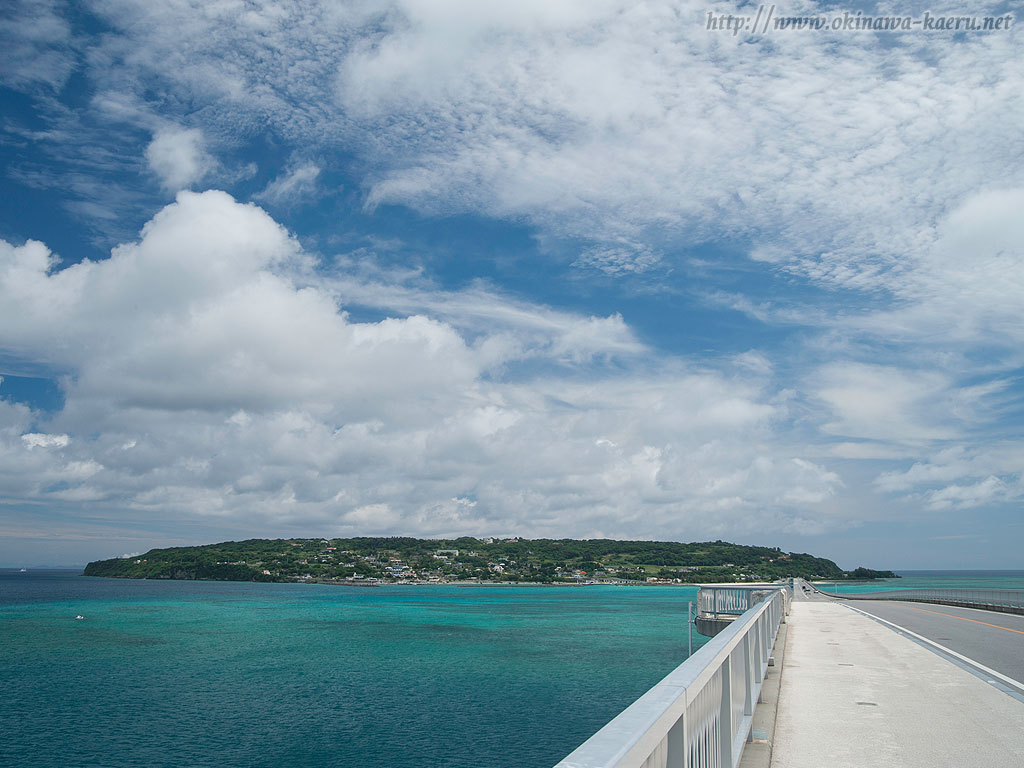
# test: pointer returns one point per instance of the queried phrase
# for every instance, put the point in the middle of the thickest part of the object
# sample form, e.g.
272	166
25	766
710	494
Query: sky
584	268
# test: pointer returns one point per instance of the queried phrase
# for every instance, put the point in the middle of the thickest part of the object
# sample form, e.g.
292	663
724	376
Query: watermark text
768	19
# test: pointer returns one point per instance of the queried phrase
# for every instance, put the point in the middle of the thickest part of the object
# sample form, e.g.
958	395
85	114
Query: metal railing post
677	745
725	715
748	684
748	678
756	632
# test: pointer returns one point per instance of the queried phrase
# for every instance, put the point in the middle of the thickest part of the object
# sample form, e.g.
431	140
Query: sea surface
178	673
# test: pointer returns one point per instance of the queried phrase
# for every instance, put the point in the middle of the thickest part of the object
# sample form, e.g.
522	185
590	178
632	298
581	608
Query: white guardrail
731	599
699	715
992	599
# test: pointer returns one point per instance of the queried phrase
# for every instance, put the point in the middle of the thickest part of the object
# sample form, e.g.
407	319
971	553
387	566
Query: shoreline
567	584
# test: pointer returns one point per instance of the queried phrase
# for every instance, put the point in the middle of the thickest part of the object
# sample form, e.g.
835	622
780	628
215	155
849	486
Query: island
369	561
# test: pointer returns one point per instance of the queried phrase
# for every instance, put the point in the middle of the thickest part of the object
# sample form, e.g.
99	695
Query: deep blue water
175	673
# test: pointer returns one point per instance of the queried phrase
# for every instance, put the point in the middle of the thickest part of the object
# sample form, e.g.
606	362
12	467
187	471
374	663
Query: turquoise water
232	674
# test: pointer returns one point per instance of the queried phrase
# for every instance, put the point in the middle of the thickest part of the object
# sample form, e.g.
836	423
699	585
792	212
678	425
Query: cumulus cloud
213	373
874	170
628	131
178	157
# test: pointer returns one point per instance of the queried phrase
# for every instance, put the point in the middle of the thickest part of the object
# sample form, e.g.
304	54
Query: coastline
365	584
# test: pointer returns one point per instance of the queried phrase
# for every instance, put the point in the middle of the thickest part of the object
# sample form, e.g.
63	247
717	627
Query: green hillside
400	559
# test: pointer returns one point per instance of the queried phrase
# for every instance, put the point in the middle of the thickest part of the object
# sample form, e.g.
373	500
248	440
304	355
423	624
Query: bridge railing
1008	600
699	715
730	599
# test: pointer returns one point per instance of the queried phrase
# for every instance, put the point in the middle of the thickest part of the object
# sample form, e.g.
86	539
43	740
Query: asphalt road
995	640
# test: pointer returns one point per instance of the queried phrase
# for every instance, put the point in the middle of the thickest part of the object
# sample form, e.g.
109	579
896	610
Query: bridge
718	605
799	678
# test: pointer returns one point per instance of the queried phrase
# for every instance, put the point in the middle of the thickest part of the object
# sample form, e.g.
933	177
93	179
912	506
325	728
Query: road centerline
961	618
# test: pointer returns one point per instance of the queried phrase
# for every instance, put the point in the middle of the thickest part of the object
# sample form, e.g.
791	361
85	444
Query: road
995	640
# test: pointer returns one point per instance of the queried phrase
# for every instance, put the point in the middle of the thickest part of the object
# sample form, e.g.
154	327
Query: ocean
178	673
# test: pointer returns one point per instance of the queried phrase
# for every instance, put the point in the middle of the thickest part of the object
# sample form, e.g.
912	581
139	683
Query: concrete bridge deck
995	640
855	692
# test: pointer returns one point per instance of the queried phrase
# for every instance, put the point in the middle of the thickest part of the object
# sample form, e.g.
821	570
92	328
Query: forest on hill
467	559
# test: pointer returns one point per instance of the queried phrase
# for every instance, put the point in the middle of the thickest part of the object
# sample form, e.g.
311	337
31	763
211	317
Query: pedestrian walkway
856	694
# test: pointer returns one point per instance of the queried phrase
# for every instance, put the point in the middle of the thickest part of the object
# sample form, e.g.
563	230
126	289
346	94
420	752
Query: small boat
23	570
79	616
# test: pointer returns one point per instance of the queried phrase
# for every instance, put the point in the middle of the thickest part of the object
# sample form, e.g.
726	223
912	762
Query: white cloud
949	464
511	328
961	477
211	373
618	259
372	517
291	186
966	497
82	470
882	402
606	122
178	157
36	40
628	133
626	119
969	285
953	336
36	440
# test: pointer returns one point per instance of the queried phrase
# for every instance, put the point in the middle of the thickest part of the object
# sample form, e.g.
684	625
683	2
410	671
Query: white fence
731	599
699	716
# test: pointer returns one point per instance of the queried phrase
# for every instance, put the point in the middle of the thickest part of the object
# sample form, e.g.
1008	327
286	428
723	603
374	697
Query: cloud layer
210	372
607	121
855	196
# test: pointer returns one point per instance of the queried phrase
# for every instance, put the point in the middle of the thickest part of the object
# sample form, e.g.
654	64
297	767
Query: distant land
399	560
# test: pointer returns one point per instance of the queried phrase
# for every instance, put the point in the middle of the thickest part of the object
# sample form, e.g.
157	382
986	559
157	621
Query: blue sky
540	269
